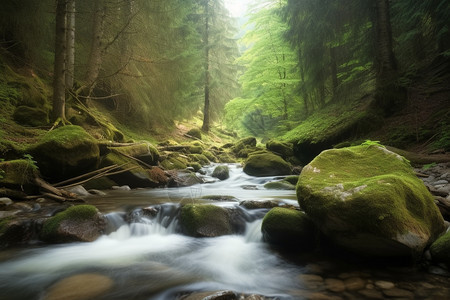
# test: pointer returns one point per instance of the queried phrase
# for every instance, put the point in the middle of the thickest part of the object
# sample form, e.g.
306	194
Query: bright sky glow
237	8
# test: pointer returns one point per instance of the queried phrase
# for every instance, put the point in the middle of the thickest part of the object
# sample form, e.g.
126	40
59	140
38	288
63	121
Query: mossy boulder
248	142
66	152
221	172
144	151
195	166
368	200
19	175
81	223
289	227
440	249
200	158
205	220
195	132
180	178
135	175
30	116
211	157
279	185
174	162
226	158
266	164
284	149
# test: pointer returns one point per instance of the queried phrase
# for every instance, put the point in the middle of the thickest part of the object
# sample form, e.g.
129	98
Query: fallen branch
87	174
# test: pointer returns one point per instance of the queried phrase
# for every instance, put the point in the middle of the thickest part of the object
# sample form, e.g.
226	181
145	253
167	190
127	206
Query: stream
149	259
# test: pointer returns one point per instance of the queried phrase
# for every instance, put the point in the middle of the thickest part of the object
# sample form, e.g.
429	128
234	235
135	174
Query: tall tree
206	109
70	44
59	98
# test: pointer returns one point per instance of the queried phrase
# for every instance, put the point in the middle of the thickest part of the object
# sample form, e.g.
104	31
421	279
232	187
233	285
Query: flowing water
148	259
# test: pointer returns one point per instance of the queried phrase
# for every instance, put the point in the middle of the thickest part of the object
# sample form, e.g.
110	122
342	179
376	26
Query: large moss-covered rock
368	200
221	172
133	174
82	223
30	116
283	149
440	249
205	220
266	164
144	151
248	142
288	227
66	152
19	175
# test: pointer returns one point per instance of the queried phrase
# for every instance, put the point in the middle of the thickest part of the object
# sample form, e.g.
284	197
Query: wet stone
399	293
371	294
322	296
334	285
310	281
385	285
313	269
80	287
354	283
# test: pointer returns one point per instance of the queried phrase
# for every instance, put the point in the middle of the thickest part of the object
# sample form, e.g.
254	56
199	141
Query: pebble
385	285
80	287
5	201
334	285
310	281
371	294
354	283
399	293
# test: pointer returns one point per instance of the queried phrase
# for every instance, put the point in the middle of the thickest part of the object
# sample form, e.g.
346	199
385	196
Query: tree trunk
206	109
95	57
333	66
59	97
390	96
70	42
387	65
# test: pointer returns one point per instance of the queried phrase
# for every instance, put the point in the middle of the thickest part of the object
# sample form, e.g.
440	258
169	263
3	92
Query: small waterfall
253	232
160	220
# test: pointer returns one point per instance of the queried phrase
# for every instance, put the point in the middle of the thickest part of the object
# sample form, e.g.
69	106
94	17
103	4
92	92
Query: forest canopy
150	63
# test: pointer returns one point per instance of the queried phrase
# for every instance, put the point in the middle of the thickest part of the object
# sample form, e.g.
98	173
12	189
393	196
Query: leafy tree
269	79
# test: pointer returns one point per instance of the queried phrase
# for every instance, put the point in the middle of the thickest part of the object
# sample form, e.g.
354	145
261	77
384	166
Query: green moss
173	163
195	165
293	179
222	172
200	158
226	158
283	149
30	116
244	143
195	132
440	249
76	213
211	157
205	220
143	151
371	188
195	149
288	227
279	185
266	164
19	174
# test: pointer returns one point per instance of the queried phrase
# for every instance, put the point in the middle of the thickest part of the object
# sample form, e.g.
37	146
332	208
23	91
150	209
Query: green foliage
369	143
428	166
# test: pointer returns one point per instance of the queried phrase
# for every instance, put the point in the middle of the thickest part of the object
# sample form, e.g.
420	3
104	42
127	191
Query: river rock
66	152
221	172
80	287
143	151
205	220
279	185
266	164
258	204
19	175
180	178
283	149
368	200
81	223
288	227
219	295
440	249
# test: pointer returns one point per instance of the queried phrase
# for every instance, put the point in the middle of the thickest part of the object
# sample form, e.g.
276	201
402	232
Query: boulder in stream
440	249
221	172
205	220
289	227
81	223
266	164
368	200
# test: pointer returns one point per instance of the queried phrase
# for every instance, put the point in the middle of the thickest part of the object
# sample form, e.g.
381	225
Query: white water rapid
148	259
